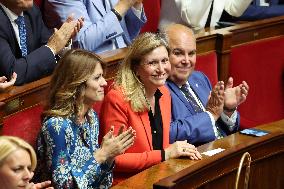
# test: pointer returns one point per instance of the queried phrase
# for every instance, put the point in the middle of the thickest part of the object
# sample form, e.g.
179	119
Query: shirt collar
158	94
187	84
11	15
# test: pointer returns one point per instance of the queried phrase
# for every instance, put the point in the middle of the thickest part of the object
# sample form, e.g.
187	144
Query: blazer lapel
109	5
99	6
147	128
13	38
195	85
164	107
177	91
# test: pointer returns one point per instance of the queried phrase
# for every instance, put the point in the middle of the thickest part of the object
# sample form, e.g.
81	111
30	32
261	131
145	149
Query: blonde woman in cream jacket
195	12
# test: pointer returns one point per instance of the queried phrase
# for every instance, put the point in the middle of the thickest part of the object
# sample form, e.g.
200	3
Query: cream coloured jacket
195	12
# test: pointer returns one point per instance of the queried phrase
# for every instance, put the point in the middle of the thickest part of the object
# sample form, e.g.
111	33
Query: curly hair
68	83
126	78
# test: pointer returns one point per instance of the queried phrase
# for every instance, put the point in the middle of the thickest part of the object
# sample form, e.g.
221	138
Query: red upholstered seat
261	64
207	63
25	124
38	2
152	11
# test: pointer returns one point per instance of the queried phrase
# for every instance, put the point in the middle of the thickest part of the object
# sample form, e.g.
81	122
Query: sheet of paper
213	152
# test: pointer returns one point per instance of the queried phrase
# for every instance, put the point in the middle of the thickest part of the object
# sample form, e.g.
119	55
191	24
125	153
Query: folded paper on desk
254	132
213	152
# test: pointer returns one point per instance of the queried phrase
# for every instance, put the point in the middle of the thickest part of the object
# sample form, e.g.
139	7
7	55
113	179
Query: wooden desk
209	170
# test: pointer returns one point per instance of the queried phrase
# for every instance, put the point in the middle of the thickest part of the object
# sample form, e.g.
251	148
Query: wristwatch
118	16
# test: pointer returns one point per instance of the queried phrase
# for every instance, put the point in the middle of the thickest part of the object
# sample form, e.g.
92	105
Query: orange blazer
116	111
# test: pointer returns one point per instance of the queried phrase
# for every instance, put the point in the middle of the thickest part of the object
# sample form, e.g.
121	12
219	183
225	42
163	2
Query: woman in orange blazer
140	99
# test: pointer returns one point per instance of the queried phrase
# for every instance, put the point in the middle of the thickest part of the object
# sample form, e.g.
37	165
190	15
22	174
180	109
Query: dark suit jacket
256	12
188	125
39	62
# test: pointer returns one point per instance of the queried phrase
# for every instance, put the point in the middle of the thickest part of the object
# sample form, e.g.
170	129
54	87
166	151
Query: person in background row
17	163
261	9
27	46
109	24
68	148
199	14
200	114
140	99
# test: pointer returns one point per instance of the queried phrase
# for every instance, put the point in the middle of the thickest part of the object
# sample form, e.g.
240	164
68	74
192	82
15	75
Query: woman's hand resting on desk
115	145
182	148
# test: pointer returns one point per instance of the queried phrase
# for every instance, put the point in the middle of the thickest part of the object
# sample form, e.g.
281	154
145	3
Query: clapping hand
68	30
79	24
41	185
115	145
216	100
234	96
5	84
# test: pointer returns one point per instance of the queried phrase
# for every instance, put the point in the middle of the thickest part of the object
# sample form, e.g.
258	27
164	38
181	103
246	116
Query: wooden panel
219	171
258	30
20	97
206	43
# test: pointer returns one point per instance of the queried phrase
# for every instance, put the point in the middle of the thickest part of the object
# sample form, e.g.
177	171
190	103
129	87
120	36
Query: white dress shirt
230	121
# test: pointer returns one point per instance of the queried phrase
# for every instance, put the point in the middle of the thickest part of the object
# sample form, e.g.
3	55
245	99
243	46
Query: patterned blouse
65	154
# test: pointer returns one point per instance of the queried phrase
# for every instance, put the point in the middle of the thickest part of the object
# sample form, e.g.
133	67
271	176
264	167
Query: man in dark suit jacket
42	46
200	114
261	9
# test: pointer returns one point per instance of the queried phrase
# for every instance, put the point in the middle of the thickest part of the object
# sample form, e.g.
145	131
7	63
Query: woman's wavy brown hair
68	82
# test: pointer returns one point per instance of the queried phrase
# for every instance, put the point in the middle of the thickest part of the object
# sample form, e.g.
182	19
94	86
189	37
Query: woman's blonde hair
68	83
127	80
10	144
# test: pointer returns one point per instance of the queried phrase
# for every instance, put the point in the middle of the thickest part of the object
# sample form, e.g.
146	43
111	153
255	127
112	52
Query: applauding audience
109	24
68	148
27	46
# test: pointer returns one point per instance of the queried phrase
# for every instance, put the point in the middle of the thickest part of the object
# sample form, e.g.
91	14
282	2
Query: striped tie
23	35
190	98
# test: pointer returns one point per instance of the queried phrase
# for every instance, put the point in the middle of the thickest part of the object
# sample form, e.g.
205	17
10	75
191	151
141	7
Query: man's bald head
182	52
178	32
